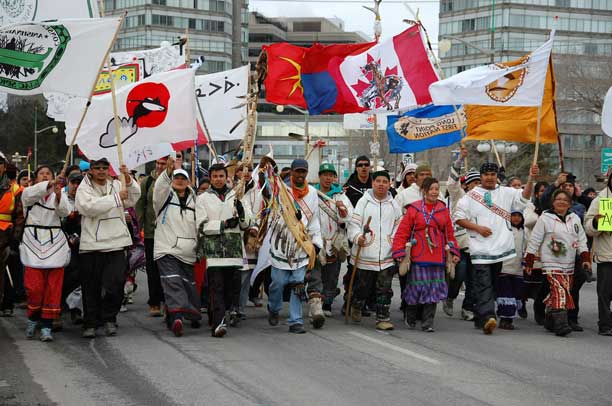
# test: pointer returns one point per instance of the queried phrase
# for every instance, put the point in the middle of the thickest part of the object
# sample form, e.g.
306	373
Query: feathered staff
280	214
248	141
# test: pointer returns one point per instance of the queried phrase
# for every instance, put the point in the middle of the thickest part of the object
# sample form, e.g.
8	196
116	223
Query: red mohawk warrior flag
284	78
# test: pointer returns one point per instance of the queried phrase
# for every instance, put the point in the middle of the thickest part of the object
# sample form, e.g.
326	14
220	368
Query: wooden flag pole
91	93
441	73
538	128
116	123
375	148
499	162
195	141
115	113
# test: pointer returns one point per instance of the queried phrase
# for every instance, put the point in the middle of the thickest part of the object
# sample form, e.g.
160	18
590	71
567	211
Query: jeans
463	274
281	278
245	286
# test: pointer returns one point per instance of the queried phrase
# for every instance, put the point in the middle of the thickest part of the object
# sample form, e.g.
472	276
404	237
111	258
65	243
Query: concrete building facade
213	28
582	57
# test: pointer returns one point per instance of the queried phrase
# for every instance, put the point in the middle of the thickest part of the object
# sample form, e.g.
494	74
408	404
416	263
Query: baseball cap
327	167
180	172
75	177
299	164
99	162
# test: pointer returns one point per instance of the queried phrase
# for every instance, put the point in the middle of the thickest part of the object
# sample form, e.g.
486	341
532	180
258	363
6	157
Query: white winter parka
103	226
386	215
175	228
44	244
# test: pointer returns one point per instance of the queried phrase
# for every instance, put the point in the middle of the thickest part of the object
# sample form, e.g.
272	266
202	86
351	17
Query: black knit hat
489	167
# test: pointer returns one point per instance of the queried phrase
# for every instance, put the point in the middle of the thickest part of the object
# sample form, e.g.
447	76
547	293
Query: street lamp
53	129
280	108
483	147
445	45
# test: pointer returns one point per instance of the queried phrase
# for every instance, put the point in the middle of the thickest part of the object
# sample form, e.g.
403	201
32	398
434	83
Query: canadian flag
152	114
393	75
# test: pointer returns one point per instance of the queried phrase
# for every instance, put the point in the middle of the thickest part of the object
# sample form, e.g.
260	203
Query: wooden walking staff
349	295
375	147
91	93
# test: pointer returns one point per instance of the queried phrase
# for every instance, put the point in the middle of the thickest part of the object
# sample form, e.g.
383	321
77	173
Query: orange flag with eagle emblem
284	78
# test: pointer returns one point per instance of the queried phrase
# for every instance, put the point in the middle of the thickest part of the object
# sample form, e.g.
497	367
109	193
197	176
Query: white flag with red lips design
158	110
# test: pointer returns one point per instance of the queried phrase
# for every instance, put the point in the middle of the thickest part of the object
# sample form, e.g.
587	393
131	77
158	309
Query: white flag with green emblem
25	11
61	56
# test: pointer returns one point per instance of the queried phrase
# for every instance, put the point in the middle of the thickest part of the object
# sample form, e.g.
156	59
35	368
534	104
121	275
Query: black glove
298	215
239	208
231	223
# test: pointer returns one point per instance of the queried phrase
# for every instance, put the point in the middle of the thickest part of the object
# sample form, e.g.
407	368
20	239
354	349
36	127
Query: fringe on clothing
559	297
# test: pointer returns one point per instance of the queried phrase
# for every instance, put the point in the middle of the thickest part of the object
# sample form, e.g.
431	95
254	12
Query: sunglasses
100	168
179	156
362	165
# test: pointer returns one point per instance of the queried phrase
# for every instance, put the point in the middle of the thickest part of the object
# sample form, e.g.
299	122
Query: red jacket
413	226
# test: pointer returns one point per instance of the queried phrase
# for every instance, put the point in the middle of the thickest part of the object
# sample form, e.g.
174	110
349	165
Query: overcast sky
355	17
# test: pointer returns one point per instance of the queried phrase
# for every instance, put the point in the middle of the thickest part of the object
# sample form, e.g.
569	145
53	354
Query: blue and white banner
425	128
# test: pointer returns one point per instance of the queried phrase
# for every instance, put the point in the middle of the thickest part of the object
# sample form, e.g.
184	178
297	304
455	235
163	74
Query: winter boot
383	321
561	326
549	323
429	312
356	312
317	318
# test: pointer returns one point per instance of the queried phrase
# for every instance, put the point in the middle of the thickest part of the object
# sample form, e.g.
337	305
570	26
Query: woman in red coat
428	228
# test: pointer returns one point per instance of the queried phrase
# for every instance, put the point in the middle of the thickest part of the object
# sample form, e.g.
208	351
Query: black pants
263	278
604	295
224	285
579	280
156	293
102	279
72	277
485	277
463	274
427	317
11	291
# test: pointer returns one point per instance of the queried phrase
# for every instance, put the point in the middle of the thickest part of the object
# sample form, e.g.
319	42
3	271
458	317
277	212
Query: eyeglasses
362	165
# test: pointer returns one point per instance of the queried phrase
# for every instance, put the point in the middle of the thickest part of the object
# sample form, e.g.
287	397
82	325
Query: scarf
220	192
334	190
299	194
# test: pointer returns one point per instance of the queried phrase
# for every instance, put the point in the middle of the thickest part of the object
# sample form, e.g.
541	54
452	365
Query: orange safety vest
7	206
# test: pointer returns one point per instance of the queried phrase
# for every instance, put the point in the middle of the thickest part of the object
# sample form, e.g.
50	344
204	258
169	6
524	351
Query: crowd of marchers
72	246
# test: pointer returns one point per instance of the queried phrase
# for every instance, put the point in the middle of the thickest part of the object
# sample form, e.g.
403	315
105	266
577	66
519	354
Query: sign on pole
606	159
605	209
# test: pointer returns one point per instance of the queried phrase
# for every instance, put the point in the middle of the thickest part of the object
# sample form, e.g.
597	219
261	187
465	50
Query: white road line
96	353
4	384
395	348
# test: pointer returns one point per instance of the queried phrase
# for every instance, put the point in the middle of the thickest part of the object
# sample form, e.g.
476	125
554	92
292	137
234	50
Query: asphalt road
256	364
